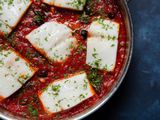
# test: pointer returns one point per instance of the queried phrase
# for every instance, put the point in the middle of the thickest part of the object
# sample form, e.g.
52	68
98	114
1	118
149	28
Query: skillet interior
123	5
129	28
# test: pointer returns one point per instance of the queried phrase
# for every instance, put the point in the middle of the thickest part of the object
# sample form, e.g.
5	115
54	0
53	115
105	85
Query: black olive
43	73
84	34
111	15
88	11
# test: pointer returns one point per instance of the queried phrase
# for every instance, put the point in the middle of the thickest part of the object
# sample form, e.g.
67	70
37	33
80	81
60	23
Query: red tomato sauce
26	98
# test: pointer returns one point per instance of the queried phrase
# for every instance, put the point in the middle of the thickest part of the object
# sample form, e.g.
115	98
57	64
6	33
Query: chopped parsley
84	18
81	96
80	49
85	85
95	79
38	19
27	54
77	3
97	62
33	111
65	75
56	89
10	2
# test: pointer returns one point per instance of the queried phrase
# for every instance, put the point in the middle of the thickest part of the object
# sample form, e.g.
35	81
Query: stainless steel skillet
128	23
129	27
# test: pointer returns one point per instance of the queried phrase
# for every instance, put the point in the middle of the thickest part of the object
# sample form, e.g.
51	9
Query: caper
111	15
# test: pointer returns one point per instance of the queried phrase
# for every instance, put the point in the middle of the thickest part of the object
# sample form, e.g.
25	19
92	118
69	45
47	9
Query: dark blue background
138	98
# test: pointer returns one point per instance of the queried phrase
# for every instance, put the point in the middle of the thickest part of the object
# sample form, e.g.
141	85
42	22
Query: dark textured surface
138	98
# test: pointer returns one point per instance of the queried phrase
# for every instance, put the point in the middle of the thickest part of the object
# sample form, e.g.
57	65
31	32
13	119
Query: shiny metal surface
125	11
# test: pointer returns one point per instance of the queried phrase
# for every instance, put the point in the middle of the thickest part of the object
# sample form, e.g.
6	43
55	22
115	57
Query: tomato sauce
26	99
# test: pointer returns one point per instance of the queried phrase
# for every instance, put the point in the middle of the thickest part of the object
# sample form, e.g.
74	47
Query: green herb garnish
95	79
33	111
38	19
